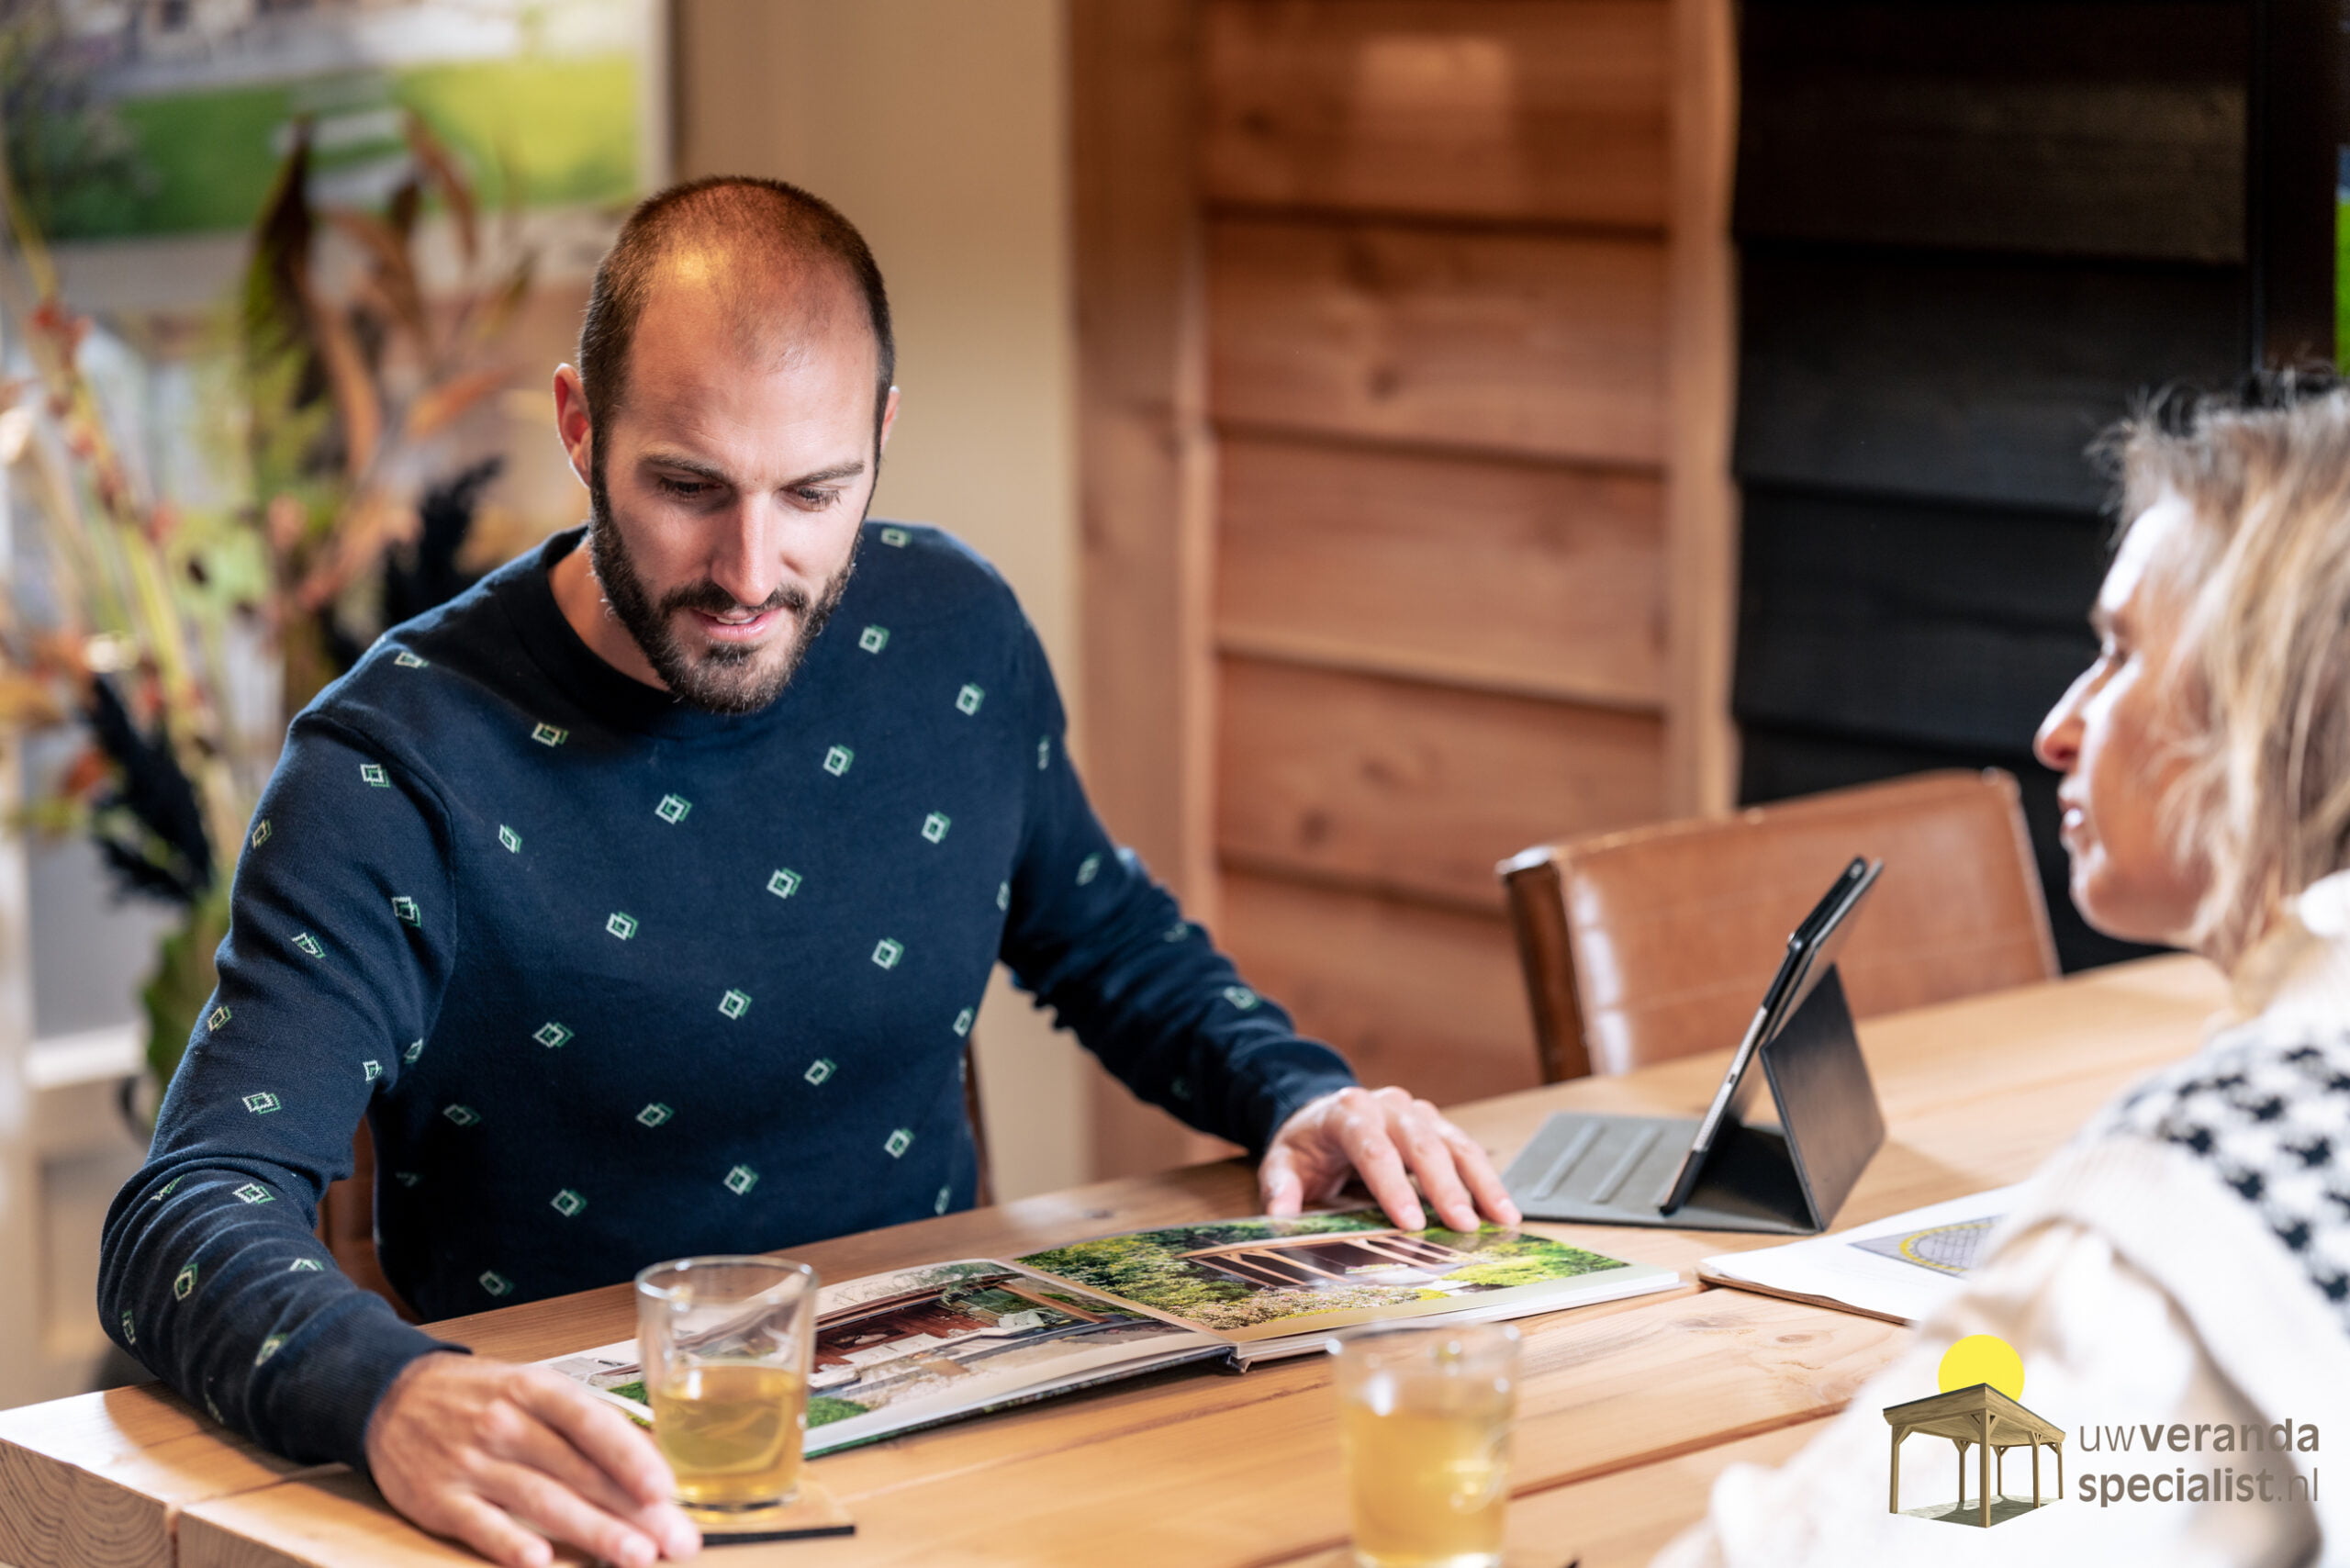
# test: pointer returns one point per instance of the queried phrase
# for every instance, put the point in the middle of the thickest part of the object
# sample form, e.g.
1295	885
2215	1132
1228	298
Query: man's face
2116	736
729	485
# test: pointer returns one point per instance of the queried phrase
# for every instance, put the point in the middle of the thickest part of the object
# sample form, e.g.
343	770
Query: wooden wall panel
1912	623
1431	474
1551	346
2105	128
1963	377
1546	110
1508	576
1429	999
1973	235
2045	166
1417	788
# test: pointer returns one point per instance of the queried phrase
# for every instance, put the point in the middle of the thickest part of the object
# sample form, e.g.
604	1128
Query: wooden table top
1629	1408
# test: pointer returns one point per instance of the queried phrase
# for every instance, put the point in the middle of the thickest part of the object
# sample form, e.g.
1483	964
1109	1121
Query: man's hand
1387	1137
491	1453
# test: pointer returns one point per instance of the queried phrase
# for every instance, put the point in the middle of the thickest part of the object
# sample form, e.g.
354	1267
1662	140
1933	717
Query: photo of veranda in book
920	1345
968	1333
904	1350
1250	1280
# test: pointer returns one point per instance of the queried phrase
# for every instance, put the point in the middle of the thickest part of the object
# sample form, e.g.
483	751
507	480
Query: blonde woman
2182	1269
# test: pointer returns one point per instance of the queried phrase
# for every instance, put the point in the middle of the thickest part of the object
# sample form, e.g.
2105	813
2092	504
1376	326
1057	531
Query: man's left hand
1387	1137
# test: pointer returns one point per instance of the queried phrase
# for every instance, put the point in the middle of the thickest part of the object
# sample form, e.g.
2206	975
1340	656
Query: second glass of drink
1424	1417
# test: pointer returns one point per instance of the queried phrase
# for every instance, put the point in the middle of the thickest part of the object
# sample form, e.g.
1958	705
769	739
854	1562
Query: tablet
1810	952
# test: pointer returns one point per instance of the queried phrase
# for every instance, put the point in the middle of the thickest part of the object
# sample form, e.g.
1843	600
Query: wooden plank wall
1435	282
1463	325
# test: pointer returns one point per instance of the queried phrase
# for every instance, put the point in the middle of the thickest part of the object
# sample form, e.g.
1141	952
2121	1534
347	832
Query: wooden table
1629	1408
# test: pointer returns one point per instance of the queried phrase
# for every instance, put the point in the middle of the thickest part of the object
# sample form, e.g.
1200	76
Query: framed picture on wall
158	126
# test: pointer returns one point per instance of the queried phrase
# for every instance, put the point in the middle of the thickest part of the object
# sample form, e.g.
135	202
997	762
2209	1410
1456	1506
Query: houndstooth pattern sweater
2184	1263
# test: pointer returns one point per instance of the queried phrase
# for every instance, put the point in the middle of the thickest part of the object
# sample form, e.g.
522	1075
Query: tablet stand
1791	1180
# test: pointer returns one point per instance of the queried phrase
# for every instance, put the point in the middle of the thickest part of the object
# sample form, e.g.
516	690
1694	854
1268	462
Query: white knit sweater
2184	1261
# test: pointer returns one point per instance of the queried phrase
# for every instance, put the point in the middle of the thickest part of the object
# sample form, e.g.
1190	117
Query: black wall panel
1928	625
1971	233
2107	128
1963	376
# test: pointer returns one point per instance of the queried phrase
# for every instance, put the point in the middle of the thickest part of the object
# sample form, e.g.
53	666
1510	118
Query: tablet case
1790	1179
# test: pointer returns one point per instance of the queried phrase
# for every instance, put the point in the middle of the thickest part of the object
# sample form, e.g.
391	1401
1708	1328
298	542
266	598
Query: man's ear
572	426
888	416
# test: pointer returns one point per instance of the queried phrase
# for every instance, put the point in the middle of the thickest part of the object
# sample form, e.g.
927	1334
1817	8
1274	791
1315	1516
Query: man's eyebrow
684	465
826	475
717	474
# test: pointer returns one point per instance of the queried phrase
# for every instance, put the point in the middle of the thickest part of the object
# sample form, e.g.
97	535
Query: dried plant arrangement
345	363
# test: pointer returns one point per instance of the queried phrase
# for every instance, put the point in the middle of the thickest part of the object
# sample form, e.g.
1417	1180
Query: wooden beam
1145	477
1701	375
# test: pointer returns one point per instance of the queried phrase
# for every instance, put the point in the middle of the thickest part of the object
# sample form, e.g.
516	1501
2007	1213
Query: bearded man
642	900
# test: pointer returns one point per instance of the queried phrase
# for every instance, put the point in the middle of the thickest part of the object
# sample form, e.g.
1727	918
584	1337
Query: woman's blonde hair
2262	651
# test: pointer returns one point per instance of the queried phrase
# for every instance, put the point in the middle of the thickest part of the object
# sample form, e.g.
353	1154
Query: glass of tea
726	1343
1424	1416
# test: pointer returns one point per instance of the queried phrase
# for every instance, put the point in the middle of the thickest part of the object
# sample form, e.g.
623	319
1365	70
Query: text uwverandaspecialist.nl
2238	1478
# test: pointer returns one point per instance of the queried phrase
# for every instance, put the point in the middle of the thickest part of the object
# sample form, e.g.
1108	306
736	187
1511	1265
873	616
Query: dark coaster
814	1514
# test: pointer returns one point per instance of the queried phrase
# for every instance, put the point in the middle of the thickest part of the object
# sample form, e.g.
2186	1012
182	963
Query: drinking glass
725	1343
1424	1415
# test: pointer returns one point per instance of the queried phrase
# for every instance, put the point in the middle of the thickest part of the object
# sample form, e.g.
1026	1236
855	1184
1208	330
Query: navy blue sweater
613	980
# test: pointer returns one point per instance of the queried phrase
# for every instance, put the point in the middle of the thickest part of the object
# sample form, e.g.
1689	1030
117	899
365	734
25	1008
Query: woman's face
2113	737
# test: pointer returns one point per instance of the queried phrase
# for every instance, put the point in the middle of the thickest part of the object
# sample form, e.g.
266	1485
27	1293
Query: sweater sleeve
340	941
1091	934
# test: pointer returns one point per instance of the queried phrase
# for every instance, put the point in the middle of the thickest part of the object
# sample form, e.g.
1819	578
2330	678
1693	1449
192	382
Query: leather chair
347	1215
1657	941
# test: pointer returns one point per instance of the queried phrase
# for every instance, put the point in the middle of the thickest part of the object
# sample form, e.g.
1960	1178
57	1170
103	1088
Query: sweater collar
2299	973
619	700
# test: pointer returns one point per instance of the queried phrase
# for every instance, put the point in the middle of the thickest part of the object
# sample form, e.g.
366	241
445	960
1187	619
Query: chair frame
1538	909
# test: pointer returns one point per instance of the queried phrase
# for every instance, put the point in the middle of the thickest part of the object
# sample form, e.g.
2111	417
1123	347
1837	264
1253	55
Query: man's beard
724	677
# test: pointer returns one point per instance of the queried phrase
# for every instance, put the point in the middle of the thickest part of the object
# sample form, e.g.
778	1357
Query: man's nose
747	560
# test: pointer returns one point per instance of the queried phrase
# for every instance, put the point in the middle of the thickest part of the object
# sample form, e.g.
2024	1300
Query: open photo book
921	1346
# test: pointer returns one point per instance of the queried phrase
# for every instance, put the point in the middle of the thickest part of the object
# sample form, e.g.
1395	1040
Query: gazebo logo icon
1980	1408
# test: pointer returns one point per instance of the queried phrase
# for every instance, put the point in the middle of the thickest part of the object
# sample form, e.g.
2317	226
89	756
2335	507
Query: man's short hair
768	224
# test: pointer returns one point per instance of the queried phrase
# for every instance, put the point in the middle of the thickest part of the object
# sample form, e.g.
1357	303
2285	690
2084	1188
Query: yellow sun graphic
1983	1358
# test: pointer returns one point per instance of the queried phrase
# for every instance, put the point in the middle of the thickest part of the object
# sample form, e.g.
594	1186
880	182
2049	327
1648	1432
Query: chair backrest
347	1215
1657	941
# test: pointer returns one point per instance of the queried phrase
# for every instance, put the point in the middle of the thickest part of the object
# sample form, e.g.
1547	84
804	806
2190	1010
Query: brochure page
1255	1280
1899	1268
910	1348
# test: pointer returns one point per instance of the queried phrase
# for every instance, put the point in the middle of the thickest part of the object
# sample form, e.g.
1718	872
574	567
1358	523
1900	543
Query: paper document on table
1899	1268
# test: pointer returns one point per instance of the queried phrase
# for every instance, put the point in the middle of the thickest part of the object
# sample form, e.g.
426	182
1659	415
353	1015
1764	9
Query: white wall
937	126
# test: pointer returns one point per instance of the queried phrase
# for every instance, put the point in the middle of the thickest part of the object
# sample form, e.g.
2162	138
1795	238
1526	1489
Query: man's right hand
505	1457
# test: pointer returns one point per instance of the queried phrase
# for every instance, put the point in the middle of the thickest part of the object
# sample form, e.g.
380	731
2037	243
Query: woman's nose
2058	742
